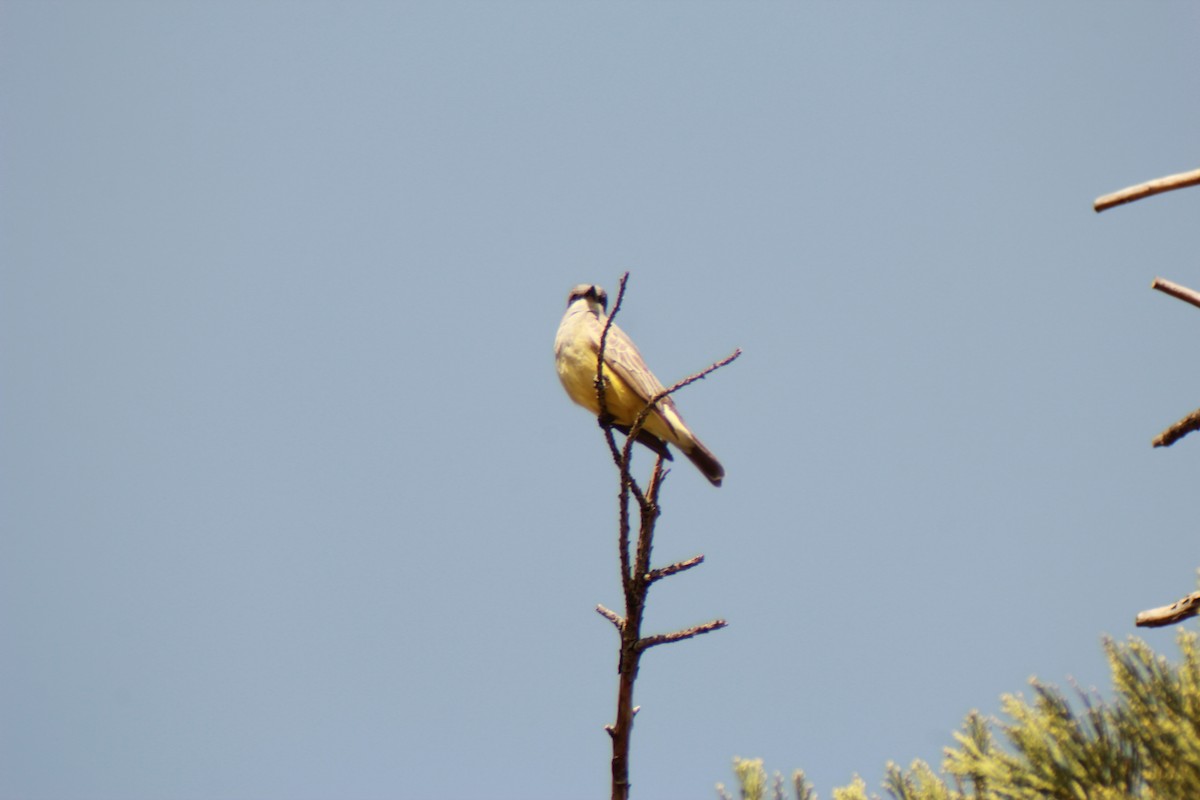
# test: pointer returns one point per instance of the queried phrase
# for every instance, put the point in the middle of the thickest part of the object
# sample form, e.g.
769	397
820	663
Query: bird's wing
623	358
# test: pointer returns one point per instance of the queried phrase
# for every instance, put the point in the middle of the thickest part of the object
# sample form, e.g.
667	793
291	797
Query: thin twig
623	538
1176	290
688	381
628	483
620	457
622	512
611	616
1191	422
649	516
671	569
657	477
1179	430
1156	186
640	420
625	463
600	388
679	636
702	374
1169	615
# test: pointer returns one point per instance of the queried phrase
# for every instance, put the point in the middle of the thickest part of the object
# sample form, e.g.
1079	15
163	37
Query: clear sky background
293	505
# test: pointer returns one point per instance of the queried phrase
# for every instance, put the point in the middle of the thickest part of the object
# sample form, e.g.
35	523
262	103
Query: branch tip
1178	291
679	636
1169	615
1147	189
611	616
671	569
1178	430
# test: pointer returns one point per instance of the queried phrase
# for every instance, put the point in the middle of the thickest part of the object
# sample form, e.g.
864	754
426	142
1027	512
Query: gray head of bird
597	298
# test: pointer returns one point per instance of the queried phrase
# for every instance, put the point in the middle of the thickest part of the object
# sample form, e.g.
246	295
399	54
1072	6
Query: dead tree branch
1191	422
606	424
679	636
1178	430
669	570
1169	615
688	381
636	574
1178	291
611	616
1188	606
1156	186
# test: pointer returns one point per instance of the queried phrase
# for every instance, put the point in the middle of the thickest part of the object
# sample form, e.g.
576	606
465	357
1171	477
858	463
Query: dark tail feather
650	440
706	462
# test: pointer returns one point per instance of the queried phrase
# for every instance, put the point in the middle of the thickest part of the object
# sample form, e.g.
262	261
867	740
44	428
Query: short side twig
679	636
1169	615
669	570
649	515
640	420
699	376
1191	422
611	616
1178	291
1156	186
1177	431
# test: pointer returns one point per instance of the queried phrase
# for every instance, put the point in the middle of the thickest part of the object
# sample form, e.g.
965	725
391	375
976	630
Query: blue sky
293	506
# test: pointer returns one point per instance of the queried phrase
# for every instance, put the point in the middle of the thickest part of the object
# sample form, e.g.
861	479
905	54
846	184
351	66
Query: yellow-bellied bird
629	383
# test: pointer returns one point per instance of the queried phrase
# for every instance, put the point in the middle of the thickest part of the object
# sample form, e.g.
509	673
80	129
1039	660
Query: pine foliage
1144	744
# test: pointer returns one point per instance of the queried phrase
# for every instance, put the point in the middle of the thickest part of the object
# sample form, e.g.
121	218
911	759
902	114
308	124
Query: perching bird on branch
629	383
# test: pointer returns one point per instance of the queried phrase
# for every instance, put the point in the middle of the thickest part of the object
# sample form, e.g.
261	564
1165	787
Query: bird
629	383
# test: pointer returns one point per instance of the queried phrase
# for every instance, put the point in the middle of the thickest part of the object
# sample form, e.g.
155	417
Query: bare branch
688	381
605	417
1176	290
623	524
1179	430
702	374
1156	186
640	420
628	482
625	461
669	570
657	478
636	577
611	616
679	636
620	457
1169	615
1191	422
